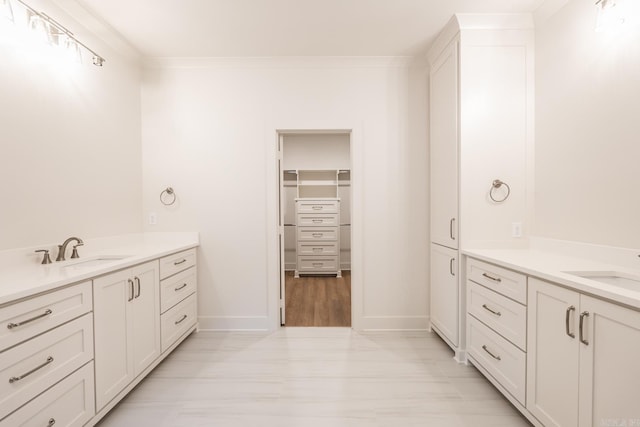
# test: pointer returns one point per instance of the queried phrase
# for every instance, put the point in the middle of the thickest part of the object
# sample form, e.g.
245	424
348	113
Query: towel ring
169	191
494	186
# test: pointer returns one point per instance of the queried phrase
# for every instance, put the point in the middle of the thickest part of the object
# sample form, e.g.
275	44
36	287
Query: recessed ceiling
237	28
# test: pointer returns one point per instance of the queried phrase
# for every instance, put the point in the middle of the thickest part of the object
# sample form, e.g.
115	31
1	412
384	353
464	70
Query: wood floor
314	377
318	300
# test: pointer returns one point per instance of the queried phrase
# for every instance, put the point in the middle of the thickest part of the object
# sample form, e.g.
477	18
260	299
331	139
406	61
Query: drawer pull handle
177	322
51	422
184	285
484	347
495	279
451	261
24	322
316	208
317	249
180	262
566	322
317	221
132	293
137	280
582	316
317	264
37	368
317	234
497	313
451	228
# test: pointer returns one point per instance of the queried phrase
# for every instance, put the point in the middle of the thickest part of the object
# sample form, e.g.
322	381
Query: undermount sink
614	278
96	261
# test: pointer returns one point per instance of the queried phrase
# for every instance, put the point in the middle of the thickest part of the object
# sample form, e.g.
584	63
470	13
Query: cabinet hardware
317	249
131	291
184	285
495	279
177	322
497	313
451	261
317	264
582	316
316	208
51	422
566	322
137	280
37	368
317	221
180	262
451	228
317	234
484	347
24	322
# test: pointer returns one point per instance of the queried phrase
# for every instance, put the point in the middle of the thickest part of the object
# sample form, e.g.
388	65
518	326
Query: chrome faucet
63	248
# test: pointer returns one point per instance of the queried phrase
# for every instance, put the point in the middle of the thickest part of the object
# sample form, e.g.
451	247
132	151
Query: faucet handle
74	253
45	259
60	254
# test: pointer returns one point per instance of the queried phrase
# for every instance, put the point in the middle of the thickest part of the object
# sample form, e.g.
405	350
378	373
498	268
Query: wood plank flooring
318	300
308	377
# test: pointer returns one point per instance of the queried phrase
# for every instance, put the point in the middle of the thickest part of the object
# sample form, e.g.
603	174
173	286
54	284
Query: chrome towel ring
169	198
496	184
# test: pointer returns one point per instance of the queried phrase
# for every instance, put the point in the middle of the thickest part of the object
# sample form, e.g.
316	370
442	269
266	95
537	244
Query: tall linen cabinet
481	129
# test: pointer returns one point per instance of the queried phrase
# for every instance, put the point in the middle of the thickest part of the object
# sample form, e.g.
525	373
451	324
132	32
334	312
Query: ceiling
239	28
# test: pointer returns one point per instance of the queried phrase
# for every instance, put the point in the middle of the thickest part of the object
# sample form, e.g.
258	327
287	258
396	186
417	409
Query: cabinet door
444	148
609	368
444	292
112	311
145	319
552	358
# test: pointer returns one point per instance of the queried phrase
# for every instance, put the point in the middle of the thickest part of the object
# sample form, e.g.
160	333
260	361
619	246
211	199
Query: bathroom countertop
21	274
553	267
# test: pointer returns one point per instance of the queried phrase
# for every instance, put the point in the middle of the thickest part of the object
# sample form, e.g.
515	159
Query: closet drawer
69	403
317	206
506	282
317	234
176	288
317	220
317	264
177	321
175	263
34	366
30	317
505	362
318	248
505	316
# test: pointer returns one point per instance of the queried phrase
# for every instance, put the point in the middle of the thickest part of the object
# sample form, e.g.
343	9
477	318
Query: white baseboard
394	323
233	323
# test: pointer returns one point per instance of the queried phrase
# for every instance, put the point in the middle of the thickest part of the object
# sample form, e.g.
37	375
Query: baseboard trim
233	323
394	323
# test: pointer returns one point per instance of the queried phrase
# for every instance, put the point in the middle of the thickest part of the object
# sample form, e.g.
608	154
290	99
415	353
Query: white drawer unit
69	403
317	234
39	363
311	220
30	317
178	320
317	248
506	282
505	362
176	263
317	264
317	206
506	317
176	288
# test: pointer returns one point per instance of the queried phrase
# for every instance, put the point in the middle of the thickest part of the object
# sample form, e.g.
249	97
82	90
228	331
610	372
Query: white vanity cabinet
127	327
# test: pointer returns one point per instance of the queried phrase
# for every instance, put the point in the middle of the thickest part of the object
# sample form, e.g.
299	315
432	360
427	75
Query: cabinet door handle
317	221
316	208
317	249
131	291
582	317
566	322
453	220
497	313
46	313
317	264
451	261
484	347
317	234
495	279
26	374
180	262
177	322
184	285
137	279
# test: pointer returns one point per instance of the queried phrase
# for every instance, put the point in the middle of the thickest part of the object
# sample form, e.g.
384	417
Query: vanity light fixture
609	16
6	12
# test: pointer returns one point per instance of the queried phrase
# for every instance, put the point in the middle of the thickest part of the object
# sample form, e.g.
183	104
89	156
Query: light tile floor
299	377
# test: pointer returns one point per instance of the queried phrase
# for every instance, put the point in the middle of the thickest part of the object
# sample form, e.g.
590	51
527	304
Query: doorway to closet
315	228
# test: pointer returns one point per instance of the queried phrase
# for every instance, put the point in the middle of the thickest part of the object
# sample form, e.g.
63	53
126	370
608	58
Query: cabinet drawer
177	321
318	248
508	318
175	263
317	206
506	282
28	318
317	220
34	366
504	361
69	403
317	264
317	233
176	288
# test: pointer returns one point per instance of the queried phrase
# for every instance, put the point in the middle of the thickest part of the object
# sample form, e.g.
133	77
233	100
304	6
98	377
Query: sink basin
96	261
614	278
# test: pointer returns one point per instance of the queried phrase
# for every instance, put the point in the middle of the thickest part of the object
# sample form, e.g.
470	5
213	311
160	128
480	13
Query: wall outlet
516	229
153	218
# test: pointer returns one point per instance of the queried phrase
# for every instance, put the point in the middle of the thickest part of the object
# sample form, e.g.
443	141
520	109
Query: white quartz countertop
553	267
21	274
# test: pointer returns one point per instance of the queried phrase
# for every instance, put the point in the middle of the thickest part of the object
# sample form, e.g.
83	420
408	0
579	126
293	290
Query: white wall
313	151
70	161
587	127
209	130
